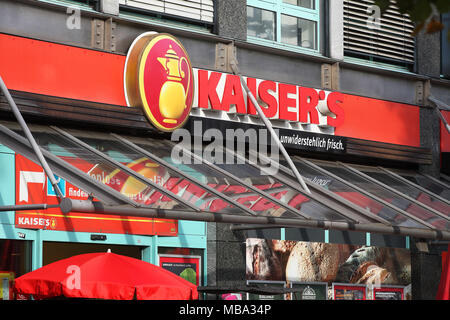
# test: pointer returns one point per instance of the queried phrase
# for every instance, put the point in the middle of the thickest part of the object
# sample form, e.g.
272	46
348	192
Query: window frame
281	8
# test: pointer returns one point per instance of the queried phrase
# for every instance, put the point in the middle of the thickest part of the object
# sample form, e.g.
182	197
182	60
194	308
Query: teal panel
85	237
183	241
4	149
191	228
7	184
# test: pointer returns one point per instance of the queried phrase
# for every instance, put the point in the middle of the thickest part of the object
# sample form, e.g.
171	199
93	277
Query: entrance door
54	251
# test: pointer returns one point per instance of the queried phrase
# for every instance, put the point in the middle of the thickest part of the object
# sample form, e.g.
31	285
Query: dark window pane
301	3
298	32
261	23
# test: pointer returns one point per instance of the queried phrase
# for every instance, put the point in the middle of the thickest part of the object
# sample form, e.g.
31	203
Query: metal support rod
437	181
30	138
24	207
124	168
96	207
413	185
266	193
438	106
268	125
393	190
183	175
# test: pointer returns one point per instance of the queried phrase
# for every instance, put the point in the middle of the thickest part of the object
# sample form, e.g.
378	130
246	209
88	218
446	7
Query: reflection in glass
260	23
104	172
186	189
15	259
354	196
428	184
284	193
409	190
301	3
386	195
298	32
257	179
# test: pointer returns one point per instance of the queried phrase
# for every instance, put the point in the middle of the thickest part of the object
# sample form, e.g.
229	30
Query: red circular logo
159	79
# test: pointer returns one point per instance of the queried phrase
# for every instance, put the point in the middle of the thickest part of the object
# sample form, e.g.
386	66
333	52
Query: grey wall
226	255
428	54
426	268
231	18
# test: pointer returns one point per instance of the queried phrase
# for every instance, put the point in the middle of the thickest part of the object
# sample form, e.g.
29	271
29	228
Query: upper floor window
375	36
290	23
197	12
200	11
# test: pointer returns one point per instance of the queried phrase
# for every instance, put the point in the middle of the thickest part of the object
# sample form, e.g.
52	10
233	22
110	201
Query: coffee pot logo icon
172	98
158	78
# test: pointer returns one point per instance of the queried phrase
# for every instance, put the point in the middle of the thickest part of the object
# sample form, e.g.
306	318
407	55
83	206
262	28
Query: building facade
342	85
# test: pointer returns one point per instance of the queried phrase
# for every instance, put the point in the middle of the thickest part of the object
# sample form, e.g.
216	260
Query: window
198	12
375	36
290	24
201	11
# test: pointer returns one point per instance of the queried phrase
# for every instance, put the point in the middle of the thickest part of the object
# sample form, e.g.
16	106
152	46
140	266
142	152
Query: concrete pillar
225	255
426	268
428	54
336	29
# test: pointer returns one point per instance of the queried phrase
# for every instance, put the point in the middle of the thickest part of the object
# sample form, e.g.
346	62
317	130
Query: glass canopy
145	171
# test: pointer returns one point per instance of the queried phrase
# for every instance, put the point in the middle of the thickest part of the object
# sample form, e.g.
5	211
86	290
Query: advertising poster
187	267
349	292
34	187
262	284
309	291
298	261
6	288
388	293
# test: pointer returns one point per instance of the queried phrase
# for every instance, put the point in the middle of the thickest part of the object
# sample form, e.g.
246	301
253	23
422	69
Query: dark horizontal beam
68	205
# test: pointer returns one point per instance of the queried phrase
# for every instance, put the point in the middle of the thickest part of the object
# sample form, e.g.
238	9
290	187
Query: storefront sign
309	291
266	284
223	92
33	187
349	292
187	267
159	79
388	293
91	75
312	141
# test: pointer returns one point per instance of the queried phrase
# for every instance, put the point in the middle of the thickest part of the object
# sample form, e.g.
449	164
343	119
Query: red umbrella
105	276
444	284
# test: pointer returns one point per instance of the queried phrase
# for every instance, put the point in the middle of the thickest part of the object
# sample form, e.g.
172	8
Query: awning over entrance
139	176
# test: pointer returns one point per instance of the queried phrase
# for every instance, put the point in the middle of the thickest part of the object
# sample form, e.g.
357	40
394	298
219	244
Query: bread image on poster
298	261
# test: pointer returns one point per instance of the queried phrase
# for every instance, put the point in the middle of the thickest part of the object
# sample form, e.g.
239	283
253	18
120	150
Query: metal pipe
266	193
413	185
68	172
393	190
97	207
24	207
268	125
438	106
30	138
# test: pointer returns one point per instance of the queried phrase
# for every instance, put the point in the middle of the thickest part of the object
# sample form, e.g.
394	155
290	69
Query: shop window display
15	260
